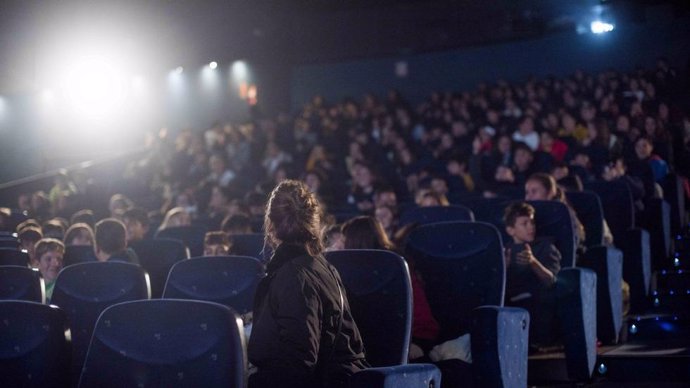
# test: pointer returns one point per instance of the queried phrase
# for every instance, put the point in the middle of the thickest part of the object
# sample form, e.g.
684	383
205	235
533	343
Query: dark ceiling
173	32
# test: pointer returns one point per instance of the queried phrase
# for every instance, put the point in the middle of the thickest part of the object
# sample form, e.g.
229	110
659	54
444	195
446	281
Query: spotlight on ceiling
178	70
213	65
599	27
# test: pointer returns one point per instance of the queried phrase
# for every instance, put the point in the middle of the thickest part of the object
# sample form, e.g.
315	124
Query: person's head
362	176
111	238
333	239
643	148
236	224
519	221
177	216
293	216
119	204
28	223
28	237
522	157
540	187
79	234
365	232
216	164
216	244
313	181
526	125
137	223
53	229
219	198
385	196
85	216
386	216
48	259
428	198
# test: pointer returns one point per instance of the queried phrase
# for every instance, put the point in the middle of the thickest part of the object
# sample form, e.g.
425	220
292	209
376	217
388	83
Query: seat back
228	280
251	245
85	290
34	351
21	283
410	376
619	209
553	220
463	268
490	210
433	214
9	242
380	296
192	236
158	256
166	343
75	254
13	256
587	206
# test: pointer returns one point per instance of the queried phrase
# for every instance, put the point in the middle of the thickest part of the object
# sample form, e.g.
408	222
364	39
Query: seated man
48	260
137	223
216	244
531	269
111	242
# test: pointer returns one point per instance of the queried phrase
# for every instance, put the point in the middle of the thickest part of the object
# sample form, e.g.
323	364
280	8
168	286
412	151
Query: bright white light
94	86
239	70
213	65
47	95
178	70
599	27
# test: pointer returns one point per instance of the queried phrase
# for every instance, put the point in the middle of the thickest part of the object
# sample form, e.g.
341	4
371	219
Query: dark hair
329	232
515	210
365	232
111	236
31	222
54	229
547	181
216	238
139	215
30	234
83	216
76	229
293	215
236	224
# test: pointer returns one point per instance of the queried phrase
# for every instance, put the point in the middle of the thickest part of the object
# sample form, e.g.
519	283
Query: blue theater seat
607	263
408	376
9	242
227	280
21	283
252	245
553	220
463	269
577	311
166	344
13	256
158	256
75	254
34	349
380	296
432	214
587	206
192	236
84	290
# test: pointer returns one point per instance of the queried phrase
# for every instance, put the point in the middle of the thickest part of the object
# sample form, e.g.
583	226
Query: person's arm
527	258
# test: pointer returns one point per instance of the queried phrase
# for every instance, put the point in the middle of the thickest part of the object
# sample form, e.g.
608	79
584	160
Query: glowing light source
600	27
239	71
213	65
178	70
94	86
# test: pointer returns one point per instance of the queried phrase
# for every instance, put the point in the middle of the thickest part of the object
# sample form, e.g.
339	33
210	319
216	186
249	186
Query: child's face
215	250
535	191
523	231
50	264
135	230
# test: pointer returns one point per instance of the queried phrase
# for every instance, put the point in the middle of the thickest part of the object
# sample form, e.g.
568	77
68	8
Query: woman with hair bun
303	333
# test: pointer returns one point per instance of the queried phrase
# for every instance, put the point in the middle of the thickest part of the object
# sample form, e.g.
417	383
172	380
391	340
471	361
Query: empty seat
408	376
228	280
432	214
34	350
191	236
75	254
21	283
166	343
158	256
463	268
84	290
380	296
13	256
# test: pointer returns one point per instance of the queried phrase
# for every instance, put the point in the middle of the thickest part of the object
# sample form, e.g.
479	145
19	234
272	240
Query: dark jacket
297	312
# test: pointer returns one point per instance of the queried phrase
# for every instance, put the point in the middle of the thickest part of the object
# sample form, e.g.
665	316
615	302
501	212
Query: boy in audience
111	242
532	266
216	244
137	222
48	260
